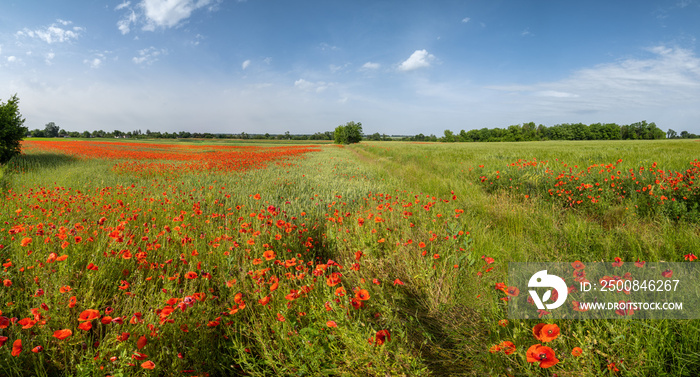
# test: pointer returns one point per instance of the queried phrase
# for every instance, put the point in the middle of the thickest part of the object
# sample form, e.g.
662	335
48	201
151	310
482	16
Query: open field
382	258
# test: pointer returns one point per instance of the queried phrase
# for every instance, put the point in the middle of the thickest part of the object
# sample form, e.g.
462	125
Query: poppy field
382	258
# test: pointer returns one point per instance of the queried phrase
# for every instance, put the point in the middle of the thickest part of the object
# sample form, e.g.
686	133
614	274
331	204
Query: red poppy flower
141	342
26	241
3	339
578	265
690	257
37	349
269	255
507	347
333	279
148	365
85	326
576	352
398	282
89	315
331	324
381	337
362	294
264	301
618	262
544	355
4	322
138	356
667	273
549	333
17	347
62	334
26	323
512	291
191	275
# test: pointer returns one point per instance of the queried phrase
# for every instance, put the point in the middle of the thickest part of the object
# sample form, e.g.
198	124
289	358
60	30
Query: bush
11	129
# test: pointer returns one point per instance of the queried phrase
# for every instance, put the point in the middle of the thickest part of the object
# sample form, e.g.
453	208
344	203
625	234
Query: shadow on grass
450	342
31	162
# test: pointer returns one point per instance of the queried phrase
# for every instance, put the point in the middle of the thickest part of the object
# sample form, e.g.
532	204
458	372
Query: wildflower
576	352
62	334
89	315
667	274
542	354
381	337
26	241
331	324
578	265
690	257
148	365
507	347
362	294
618	262
17	347
398	282
37	349
141	342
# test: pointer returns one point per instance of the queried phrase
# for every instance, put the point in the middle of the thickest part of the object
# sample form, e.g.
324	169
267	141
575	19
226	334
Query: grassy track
372	259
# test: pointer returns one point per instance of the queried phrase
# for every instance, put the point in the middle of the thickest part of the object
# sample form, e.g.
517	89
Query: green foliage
11	129
51	129
350	133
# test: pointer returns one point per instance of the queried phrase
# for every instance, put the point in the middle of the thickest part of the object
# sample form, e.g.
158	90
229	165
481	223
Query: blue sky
399	67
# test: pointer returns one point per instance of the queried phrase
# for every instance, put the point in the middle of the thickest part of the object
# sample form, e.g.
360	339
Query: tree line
567	131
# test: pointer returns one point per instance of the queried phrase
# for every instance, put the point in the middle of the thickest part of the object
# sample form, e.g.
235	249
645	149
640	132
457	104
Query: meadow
381	258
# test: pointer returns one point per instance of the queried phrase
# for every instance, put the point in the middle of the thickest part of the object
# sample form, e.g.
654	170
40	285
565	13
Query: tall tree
51	130
11	129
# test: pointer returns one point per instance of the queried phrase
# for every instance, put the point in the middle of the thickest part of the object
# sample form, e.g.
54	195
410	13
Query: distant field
209	257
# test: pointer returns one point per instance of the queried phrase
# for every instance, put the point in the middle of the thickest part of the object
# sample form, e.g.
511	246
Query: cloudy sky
399	67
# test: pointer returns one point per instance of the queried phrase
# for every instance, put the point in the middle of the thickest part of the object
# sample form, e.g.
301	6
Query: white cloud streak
53	33
148	55
370	65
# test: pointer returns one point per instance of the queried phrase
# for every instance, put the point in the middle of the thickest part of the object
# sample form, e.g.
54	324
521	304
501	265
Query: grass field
382	258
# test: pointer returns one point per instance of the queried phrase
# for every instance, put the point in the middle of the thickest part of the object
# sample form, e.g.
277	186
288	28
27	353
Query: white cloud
245	64
169	13
153	14
663	87
526	32
49	58
124	25
466	19
148	55
11	59
53	33
93	63
370	65
122	5
309	86
419	59
555	94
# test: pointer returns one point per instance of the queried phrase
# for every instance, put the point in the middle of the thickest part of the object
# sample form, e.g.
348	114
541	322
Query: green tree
11	129
349	133
51	130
